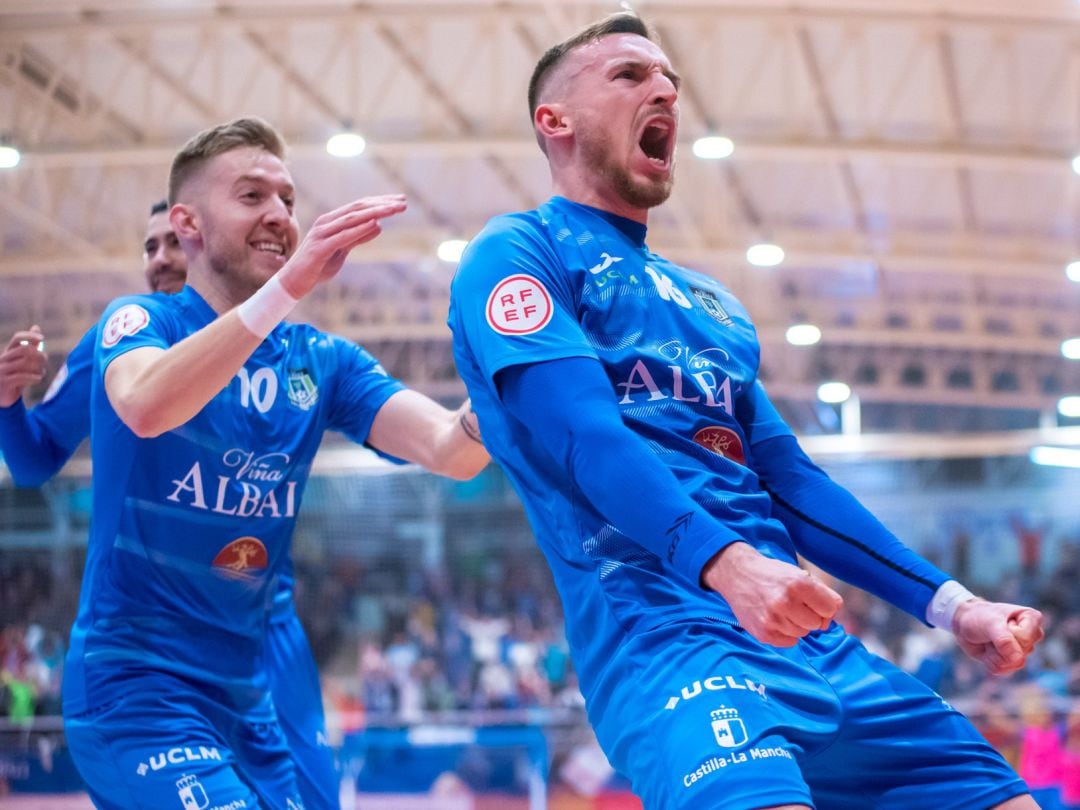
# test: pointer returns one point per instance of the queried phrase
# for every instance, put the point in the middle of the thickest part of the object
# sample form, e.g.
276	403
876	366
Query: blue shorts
167	744
702	716
294	684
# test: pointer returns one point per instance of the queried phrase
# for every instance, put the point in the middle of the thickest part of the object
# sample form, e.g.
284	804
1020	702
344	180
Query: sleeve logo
125	322
519	305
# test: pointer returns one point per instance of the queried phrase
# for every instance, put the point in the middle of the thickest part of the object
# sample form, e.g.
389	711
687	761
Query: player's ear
184	221
552	121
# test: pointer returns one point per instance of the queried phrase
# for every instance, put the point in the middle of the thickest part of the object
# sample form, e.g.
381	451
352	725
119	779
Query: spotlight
346	144
450	251
713	147
833	393
1055	456
803	334
1069	407
9	157
765	254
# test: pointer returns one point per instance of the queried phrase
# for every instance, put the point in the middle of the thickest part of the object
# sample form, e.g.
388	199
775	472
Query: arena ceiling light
1070	349
713	147
1055	456
765	254
1069	407
803	334
346	145
450	250
9	156
1072	271
834	393
1076	164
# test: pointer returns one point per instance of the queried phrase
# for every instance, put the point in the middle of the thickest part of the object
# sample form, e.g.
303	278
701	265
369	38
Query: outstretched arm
154	390
569	405
412	427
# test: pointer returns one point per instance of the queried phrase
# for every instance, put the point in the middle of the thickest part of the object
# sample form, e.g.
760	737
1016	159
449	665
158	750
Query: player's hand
776	602
1000	635
22	363
327	243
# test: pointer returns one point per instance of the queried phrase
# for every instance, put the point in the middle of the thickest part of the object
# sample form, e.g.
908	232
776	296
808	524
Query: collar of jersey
634	231
197	303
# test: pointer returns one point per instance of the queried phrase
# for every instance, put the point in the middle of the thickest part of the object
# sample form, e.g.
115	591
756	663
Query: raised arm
155	390
36	443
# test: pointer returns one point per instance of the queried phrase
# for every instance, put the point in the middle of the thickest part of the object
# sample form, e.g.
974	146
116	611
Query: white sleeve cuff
943	605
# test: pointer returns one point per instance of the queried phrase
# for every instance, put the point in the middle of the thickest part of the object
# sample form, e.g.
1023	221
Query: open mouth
656	141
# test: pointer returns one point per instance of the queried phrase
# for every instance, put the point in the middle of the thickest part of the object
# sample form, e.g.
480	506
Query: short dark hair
210	143
624	22
160	207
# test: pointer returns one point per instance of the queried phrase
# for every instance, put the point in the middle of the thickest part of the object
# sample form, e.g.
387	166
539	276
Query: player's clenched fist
998	634
22	364
327	243
776	602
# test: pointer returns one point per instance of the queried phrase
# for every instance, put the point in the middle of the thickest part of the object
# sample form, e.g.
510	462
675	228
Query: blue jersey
191	529
681	356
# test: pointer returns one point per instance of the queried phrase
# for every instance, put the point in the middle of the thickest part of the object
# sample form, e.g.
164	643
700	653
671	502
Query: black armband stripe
850	541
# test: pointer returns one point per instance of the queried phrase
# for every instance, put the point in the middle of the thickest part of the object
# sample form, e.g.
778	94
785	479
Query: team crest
711	304
728	728
192	793
303	393
243	558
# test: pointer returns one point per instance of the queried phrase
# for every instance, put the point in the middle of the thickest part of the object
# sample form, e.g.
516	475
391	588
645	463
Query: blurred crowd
399	643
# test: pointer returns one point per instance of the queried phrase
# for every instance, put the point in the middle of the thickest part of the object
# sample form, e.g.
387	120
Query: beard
637	193
232	265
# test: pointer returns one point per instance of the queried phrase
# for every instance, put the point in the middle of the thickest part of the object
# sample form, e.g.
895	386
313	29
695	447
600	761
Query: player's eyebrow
638	64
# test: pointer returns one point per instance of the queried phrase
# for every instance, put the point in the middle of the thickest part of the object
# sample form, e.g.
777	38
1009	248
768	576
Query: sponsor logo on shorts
722	441
193	796
714	764
178	756
243	558
717	683
728	728
125	322
303	393
519	305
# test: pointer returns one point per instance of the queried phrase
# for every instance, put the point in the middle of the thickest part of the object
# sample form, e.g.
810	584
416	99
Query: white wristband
266	308
943	605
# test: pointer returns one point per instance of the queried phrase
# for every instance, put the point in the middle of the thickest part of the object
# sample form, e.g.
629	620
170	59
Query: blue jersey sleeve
362	387
131	323
37	443
834	531
568	403
758	416
515	304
